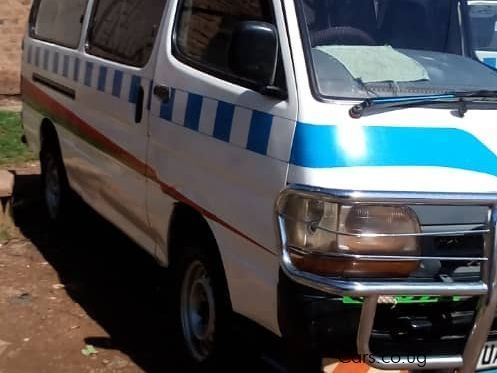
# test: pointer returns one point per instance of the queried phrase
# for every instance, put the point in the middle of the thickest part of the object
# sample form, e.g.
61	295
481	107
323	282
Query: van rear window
59	21
125	30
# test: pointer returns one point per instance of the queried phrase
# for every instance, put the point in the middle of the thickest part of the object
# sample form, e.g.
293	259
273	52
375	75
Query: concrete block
6	184
6	191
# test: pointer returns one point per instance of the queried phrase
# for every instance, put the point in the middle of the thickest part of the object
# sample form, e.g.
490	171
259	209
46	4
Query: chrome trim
404	198
374	235
372	290
388	258
368	313
420	234
356	288
487	304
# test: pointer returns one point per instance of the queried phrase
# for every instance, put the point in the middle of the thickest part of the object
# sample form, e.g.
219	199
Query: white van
325	168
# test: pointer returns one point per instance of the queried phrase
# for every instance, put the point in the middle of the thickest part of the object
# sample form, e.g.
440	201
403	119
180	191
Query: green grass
12	151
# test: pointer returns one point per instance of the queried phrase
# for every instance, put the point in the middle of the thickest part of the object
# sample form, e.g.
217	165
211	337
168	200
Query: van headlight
330	238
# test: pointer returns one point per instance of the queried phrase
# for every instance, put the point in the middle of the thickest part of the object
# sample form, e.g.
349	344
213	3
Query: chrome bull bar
485	289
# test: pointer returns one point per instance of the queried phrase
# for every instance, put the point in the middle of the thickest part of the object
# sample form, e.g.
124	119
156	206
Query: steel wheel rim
52	188
198	311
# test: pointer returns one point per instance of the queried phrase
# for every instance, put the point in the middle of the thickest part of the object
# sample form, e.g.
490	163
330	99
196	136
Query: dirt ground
89	286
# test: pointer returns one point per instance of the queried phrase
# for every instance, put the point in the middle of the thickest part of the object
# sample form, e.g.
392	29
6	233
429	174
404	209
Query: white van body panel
94	128
414	149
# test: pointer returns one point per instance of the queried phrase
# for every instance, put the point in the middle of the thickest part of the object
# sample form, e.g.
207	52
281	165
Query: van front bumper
448	335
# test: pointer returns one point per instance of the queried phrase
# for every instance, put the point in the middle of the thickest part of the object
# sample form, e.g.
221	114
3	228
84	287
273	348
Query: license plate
488	356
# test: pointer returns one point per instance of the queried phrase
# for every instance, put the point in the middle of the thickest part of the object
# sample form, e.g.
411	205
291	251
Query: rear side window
204	29
125	30
59	21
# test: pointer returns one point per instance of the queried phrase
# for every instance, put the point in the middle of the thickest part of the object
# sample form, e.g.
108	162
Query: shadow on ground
119	285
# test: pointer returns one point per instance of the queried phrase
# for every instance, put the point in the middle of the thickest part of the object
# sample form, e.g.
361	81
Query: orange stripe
351	368
63	116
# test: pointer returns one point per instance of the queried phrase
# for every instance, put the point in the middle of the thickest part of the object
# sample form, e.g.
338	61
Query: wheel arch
187	225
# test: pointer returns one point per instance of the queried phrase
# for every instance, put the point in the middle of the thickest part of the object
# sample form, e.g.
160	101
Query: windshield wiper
458	98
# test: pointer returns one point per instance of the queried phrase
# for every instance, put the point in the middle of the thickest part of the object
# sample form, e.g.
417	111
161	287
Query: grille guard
485	289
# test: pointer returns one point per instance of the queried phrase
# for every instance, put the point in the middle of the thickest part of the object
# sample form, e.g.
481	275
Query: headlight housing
333	238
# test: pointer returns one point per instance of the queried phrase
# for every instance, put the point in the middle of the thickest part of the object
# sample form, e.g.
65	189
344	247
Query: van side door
217	144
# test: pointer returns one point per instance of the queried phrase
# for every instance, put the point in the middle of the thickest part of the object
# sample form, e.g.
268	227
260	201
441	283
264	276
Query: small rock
89	350
23	298
26	340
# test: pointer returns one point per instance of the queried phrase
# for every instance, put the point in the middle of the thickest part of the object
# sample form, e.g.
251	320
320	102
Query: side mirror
254	52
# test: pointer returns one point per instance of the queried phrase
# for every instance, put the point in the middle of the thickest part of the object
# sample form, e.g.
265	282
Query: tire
201	309
55	186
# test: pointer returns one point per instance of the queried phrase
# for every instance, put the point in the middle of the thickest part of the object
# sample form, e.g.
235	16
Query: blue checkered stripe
102	78
256	131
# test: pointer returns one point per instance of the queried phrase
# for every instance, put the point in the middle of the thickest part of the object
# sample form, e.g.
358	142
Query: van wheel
56	190
202	308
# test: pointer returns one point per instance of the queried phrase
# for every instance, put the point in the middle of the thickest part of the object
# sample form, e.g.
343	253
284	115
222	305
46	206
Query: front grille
467	253
453	249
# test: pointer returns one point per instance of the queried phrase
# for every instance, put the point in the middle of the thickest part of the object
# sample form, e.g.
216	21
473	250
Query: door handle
162	92
139	105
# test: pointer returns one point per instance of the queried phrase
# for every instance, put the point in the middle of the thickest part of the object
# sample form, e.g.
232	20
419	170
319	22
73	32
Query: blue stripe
260	130
166	108
37	57
77	64
65	66
318	146
55	66
224	121
193	109
46	56
136	82
102	78
490	61
117	84
488	371
88	73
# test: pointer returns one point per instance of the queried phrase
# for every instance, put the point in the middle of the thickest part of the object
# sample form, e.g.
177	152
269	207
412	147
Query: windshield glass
370	48
483	17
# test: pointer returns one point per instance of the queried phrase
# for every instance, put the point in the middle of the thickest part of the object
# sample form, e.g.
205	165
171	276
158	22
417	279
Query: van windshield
370	48
483	17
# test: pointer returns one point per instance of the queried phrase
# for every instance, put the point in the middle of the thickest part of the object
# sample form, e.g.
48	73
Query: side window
125	30
59	21
204	30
